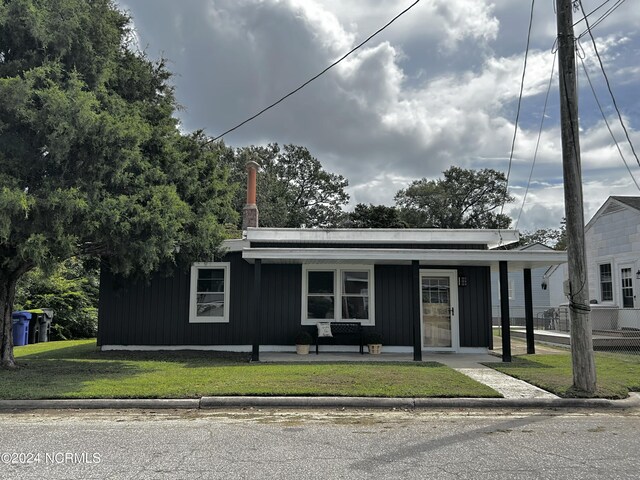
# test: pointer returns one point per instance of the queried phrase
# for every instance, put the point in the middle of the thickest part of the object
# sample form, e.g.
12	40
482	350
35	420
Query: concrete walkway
467	364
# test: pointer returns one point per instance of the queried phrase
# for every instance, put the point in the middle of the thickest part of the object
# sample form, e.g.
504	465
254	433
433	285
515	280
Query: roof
633	202
612	204
535	246
373	236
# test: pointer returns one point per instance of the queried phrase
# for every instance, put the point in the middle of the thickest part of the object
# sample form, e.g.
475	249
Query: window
209	302
337	294
606	285
627	288
510	288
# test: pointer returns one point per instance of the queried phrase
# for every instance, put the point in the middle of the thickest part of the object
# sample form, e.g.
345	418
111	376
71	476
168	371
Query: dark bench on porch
343	329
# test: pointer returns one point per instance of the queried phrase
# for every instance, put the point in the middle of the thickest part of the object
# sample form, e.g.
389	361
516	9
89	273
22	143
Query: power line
592	12
319	74
535	153
604	73
515	130
600	19
604	117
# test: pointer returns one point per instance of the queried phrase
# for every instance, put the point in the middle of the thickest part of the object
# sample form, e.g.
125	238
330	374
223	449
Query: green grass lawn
76	369
617	374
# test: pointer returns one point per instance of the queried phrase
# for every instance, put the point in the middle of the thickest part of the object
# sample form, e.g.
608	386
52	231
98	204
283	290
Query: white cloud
438	88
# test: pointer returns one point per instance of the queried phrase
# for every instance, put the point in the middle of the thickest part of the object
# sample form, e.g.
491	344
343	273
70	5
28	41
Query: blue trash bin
20	329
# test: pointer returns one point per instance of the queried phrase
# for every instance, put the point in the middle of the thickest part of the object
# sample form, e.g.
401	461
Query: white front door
439	300
626	316
627	293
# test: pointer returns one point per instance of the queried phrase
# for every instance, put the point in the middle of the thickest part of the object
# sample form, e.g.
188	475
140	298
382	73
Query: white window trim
511	289
193	318
337	270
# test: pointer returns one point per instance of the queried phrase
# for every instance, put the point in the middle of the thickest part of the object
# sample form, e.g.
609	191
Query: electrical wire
535	153
604	117
317	75
606	78
515	130
592	12
600	19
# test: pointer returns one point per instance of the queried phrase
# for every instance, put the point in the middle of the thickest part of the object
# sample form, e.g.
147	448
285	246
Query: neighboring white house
541	293
612	242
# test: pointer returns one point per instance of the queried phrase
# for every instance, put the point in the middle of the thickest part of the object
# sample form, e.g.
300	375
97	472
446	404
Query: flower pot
302	349
375	348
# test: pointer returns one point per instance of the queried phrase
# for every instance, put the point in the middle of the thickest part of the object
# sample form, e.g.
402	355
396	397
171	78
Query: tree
374	216
71	290
91	159
293	190
555	238
462	199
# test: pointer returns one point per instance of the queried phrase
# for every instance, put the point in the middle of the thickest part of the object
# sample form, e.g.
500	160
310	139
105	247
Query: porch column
528	311
257	311
504	312
417	310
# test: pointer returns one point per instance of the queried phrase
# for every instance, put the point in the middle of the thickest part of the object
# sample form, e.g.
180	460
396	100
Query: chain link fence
615	330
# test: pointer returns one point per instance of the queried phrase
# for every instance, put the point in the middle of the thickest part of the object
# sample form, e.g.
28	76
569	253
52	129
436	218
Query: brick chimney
250	211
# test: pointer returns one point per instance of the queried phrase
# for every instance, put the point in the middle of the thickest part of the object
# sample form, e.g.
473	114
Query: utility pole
584	369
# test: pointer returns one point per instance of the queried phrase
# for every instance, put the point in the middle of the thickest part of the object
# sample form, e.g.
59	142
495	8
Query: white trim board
443	257
245	348
491	238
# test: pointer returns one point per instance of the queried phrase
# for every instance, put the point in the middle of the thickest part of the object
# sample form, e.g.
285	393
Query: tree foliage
91	159
462	199
293	190
374	216
71	290
555	238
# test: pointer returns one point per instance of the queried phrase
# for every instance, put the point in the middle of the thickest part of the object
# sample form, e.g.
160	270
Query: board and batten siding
156	311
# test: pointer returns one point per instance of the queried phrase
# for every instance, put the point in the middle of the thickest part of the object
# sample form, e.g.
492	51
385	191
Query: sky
437	88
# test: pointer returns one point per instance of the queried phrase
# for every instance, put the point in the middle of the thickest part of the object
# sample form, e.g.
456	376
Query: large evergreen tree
91	159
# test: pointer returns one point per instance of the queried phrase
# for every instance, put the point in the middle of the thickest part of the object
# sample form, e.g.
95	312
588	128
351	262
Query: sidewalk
471	365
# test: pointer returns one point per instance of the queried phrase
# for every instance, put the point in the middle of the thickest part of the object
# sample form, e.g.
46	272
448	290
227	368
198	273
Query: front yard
76	369
617	374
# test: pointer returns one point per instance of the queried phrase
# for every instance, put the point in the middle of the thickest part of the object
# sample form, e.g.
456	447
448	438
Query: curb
221	402
420	403
99	403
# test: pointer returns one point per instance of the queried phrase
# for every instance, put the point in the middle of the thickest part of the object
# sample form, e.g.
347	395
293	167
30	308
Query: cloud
438	88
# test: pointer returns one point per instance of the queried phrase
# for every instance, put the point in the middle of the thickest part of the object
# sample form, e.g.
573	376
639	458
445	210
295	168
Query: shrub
303	338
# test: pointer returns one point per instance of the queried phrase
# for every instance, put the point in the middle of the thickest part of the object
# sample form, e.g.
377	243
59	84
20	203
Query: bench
343	329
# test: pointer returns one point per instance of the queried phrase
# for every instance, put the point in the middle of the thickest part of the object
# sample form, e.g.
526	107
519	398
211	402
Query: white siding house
612	240
540	294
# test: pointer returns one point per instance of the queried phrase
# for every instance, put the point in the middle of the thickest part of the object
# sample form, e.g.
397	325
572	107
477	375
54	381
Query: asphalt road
345	444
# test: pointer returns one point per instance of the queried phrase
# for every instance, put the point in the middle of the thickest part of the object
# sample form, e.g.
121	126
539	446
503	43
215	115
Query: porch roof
517	259
373	236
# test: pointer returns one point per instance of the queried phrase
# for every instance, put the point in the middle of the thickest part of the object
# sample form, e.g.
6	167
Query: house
612	242
540	283
422	290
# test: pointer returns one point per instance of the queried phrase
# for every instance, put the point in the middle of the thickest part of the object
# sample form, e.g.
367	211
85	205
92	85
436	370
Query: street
354	444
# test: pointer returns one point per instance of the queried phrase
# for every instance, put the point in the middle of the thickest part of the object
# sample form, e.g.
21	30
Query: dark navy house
422	290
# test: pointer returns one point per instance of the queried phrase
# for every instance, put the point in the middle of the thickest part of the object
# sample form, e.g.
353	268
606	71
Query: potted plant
374	342
303	340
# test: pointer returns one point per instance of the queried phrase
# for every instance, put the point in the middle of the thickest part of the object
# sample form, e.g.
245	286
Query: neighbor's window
627	288
340	293
209	302
606	285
